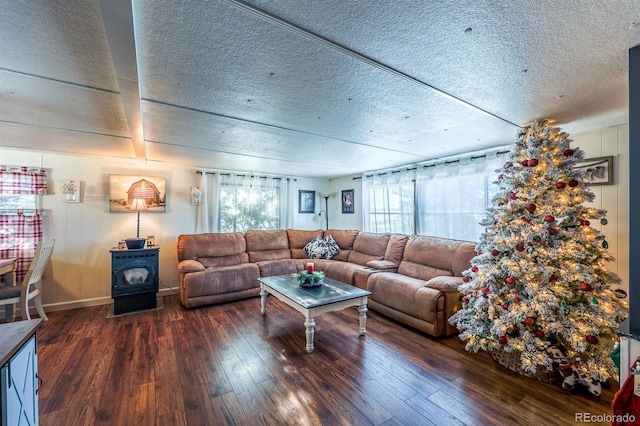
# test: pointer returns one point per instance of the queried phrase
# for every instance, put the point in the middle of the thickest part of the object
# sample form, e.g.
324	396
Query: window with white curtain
237	202
446	199
389	202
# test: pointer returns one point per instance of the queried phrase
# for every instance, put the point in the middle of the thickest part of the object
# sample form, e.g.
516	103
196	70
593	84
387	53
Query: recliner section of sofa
413	279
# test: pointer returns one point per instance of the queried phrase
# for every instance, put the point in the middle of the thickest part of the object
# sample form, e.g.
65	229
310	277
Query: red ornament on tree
553	279
474	268
573	183
539	333
560	185
513	196
525	219
553	231
585	222
585	287
495	252
525	163
530	207
592	339
505	305
520	247
465	299
503	340
568	152
486	290
511	281
533	162
529	321
466	279
548	218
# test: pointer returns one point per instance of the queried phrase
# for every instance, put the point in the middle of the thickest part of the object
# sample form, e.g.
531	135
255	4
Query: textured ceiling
316	88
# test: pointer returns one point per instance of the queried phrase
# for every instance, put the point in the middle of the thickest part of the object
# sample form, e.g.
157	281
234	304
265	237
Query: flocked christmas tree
540	277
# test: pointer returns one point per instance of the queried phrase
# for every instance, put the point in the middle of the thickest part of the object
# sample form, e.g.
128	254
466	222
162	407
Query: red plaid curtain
23	181
19	235
20	232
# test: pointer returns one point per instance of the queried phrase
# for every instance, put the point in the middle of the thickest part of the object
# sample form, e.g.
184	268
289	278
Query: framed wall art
597	171
127	190
347	201
71	191
306	201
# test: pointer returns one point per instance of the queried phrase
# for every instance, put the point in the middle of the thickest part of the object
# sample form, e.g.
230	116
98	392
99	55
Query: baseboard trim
63	306
75	304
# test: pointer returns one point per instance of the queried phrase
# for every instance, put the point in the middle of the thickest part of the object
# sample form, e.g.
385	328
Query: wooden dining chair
31	287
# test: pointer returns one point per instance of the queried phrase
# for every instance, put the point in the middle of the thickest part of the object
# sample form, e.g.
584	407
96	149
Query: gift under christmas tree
540	279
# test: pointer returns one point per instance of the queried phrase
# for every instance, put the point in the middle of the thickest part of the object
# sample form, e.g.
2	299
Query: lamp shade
138	204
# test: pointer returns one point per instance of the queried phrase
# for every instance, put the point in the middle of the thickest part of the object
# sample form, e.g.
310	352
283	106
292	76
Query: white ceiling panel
57	39
63	141
66	106
198	158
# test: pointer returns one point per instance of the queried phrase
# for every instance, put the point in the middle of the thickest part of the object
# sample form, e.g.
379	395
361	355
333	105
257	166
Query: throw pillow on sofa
332	247
316	248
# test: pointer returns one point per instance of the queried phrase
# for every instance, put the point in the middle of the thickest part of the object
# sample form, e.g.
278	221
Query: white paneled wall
612	198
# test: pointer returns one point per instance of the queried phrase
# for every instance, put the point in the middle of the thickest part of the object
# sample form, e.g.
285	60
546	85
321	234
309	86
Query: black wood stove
134	279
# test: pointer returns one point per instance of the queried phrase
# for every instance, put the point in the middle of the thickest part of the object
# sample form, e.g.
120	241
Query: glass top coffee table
331	296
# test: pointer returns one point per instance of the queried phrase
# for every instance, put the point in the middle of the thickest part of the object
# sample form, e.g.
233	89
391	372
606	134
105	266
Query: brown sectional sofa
412	279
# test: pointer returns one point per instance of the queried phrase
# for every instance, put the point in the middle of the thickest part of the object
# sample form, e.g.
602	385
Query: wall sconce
196	196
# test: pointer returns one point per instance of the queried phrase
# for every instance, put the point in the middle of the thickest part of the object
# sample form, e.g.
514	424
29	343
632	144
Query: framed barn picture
125	190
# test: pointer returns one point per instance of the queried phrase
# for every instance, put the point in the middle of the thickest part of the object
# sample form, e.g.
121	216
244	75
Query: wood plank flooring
228	364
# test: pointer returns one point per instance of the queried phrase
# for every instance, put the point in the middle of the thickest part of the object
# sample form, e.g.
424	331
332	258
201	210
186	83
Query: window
391	208
453	207
18	201
248	207
20	219
447	199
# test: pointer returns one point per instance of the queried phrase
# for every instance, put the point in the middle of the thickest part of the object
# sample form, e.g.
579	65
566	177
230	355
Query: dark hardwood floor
228	364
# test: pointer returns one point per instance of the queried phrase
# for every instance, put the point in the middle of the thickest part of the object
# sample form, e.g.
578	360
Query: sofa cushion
236	259
195	246
344	239
368	246
298	239
426	257
270	268
267	245
225	279
395	248
406	294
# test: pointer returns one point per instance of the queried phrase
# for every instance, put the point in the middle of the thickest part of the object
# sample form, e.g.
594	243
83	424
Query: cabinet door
18	387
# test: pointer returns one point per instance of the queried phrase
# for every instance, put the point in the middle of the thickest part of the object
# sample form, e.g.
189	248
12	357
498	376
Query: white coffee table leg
310	323
263	301
362	309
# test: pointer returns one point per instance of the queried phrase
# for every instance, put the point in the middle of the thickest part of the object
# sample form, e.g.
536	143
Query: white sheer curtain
242	201
388	201
453	195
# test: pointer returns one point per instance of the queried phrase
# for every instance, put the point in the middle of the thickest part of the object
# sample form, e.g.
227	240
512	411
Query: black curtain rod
199	172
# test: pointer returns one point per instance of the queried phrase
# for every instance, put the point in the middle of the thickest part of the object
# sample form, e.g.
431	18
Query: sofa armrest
383	265
190	266
444	283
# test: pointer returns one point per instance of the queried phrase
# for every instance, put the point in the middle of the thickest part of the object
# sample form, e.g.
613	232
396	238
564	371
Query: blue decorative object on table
309	279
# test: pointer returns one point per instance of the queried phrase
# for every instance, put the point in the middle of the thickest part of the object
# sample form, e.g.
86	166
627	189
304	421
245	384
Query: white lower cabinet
19	387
